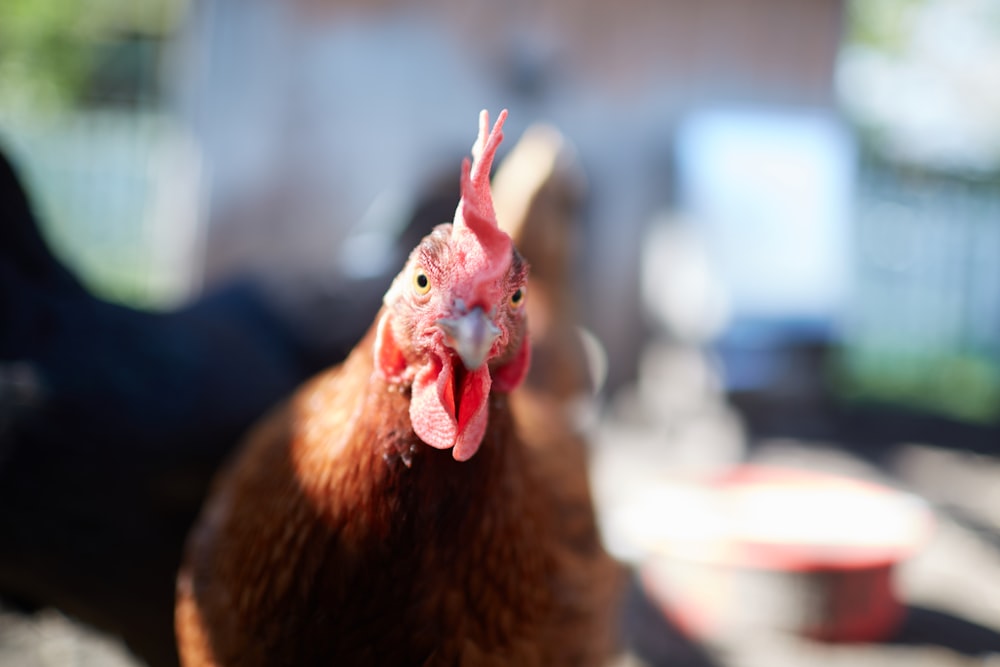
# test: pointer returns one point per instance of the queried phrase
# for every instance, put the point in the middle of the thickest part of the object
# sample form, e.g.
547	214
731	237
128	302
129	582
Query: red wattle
473	413
438	419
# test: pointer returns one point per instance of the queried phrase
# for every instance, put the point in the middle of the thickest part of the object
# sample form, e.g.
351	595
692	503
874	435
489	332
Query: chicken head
454	329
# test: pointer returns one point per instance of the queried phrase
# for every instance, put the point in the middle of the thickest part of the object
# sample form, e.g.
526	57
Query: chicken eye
421	283
517	298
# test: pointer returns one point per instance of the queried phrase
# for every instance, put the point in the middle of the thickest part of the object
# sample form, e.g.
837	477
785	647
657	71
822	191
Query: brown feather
538	194
337	537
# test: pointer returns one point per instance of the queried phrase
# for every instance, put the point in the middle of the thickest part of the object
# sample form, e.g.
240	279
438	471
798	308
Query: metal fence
118	193
924	327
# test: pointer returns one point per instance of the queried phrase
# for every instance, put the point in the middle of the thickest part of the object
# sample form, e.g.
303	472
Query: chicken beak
471	336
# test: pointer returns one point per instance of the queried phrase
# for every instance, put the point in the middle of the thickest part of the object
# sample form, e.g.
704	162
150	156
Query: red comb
475	215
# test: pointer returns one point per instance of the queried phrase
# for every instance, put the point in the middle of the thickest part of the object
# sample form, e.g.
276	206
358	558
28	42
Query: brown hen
389	513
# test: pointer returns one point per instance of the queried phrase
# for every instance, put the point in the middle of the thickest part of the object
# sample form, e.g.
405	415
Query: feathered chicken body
389	514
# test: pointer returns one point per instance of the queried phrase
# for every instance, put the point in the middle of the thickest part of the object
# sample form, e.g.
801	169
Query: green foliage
78	111
882	25
49	48
43	62
962	385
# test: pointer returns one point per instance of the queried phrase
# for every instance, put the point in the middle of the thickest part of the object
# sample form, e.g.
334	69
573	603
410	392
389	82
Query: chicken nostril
471	335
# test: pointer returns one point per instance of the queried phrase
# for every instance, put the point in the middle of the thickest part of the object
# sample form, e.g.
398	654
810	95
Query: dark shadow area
647	634
113	421
800	403
651	637
923	626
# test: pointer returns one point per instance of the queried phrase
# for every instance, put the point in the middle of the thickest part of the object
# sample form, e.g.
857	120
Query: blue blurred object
771	192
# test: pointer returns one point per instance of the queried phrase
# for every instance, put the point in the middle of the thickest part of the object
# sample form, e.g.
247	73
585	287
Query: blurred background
788	245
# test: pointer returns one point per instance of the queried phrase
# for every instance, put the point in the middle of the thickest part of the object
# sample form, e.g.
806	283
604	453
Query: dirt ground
675	419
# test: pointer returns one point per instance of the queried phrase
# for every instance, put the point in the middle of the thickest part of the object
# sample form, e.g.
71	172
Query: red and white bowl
757	549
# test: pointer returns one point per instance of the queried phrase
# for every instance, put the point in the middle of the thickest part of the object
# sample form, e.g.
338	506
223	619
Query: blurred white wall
310	113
